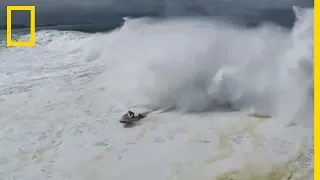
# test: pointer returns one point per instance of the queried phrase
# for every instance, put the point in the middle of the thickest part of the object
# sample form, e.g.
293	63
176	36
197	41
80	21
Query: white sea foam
61	101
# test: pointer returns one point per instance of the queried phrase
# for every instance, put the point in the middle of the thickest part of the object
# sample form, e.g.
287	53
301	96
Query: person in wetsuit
131	115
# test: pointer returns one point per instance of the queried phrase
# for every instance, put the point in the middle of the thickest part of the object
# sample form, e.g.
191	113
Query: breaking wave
198	64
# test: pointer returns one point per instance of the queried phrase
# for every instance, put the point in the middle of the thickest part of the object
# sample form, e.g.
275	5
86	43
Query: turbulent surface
60	102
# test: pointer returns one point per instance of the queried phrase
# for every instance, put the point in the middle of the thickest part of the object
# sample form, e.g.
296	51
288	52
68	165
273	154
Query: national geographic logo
32	40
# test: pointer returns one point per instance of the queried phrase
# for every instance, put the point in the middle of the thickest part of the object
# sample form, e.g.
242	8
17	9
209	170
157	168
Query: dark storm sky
97	11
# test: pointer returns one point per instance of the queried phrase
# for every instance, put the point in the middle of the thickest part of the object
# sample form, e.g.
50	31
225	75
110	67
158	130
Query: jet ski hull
125	119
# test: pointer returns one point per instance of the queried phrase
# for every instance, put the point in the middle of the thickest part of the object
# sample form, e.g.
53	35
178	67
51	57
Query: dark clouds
101	11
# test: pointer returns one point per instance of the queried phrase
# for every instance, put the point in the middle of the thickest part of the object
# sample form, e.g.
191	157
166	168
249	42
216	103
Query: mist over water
199	64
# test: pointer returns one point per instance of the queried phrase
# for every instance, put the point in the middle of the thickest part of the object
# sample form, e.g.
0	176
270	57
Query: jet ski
131	117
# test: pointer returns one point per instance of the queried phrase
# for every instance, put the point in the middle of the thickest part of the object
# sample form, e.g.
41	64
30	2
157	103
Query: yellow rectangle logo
32	41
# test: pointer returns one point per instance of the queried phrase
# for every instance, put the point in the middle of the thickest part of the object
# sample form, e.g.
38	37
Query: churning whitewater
228	102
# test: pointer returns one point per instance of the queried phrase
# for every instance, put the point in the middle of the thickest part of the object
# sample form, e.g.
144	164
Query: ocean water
227	101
